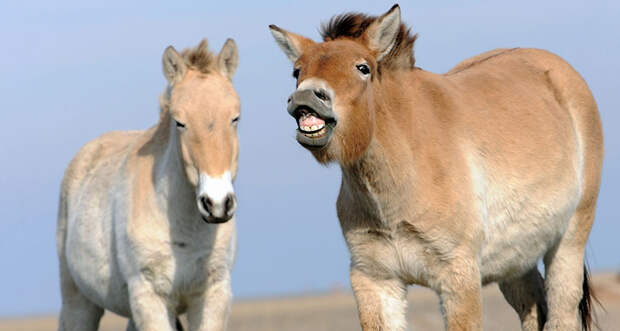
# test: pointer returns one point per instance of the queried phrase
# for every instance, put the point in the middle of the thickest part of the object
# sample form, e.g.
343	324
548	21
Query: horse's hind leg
567	289
526	295
78	313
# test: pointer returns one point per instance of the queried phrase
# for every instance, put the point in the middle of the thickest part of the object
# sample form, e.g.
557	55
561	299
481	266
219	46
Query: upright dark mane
350	25
353	25
199	57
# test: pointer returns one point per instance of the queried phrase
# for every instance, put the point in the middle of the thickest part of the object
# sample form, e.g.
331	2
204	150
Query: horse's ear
228	59
173	65
292	44
382	33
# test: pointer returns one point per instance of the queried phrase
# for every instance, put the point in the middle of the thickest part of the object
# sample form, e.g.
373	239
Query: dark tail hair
585	306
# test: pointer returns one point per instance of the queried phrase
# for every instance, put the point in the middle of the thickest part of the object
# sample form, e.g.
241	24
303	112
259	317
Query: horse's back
544	93
477	59
573	95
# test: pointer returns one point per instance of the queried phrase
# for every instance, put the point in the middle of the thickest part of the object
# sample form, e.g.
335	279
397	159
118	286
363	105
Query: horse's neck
377	183
172	189
384	176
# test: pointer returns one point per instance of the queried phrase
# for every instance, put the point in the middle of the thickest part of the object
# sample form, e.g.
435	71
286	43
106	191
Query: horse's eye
235	120
296	73
363	68
180	125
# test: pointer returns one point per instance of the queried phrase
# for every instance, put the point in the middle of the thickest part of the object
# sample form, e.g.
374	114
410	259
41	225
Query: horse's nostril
230	204
207	204
321	94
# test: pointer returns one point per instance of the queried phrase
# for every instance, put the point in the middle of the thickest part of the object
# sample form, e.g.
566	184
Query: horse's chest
178	271
390	254
192	269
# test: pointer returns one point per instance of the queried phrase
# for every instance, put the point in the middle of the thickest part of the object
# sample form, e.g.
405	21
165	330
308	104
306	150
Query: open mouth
313	131
311	125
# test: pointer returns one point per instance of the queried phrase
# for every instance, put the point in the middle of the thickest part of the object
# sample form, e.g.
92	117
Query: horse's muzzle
217	211
315	104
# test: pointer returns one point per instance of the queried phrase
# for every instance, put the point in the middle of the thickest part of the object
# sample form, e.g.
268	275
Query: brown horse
452	181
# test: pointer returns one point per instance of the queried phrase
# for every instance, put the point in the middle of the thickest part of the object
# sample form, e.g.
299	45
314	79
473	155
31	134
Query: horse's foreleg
458	287
149	310
381	303
211	310
77	312
130	326
526	295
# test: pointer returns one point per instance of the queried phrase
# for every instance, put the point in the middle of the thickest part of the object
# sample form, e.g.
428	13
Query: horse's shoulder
107	147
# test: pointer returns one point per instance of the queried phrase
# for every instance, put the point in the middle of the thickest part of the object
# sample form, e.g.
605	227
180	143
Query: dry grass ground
336	311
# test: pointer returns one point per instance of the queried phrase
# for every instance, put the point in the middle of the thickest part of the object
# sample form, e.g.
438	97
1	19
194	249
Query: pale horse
146	223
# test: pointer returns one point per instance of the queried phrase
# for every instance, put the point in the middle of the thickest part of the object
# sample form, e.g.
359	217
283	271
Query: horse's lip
214	220
303	109
316	143
310	132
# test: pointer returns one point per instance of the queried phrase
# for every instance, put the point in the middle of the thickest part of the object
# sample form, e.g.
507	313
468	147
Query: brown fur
456	180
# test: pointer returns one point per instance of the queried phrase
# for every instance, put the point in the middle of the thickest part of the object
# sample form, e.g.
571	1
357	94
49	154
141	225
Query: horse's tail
585	306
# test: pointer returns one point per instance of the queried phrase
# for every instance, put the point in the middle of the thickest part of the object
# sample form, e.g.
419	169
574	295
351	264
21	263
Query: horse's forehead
335	52
204	91
333	60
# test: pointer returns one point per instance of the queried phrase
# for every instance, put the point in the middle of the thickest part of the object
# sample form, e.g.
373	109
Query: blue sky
72	70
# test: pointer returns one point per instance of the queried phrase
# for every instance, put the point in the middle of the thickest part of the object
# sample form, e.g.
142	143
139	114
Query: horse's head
334	104
204	111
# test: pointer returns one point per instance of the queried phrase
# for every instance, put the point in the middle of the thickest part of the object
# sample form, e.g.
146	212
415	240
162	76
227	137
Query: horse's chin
214	220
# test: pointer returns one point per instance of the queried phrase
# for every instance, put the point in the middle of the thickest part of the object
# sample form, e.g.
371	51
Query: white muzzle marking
213	193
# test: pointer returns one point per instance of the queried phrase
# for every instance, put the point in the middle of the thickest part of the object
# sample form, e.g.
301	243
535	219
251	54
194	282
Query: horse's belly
91	262
519	233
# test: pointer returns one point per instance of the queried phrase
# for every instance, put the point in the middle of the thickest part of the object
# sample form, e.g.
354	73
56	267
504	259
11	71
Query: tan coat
457	180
